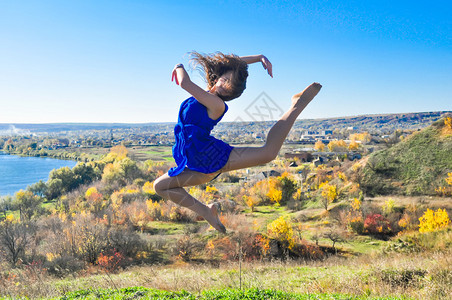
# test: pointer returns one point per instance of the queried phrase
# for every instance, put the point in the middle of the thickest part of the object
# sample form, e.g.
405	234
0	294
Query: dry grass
431	202
417	276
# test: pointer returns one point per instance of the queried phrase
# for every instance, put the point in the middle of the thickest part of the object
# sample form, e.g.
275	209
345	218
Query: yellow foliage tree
319	146
329	193
356	204
95	200
389	205
364	137
117	153
148	188
433	220
251	201
274	193
212	190
353	145
154	209
337	146
260	190
92	191
120	151
256	194
342	176
281	230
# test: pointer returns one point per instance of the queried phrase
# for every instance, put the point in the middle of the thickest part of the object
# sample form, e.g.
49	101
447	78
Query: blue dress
195	148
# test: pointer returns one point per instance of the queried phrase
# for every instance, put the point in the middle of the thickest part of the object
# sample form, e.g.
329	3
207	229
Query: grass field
395	276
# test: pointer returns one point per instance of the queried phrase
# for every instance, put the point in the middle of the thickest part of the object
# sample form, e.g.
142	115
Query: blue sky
111	61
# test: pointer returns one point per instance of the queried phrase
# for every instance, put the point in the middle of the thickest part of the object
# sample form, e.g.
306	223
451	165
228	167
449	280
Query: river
18	172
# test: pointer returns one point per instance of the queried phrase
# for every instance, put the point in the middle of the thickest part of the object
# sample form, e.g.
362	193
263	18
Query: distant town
367	132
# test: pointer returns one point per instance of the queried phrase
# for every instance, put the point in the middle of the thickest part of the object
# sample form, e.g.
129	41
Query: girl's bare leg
245	157
172	188
241	157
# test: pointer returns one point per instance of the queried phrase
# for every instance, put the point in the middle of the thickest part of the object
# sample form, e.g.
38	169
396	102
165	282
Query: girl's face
223	86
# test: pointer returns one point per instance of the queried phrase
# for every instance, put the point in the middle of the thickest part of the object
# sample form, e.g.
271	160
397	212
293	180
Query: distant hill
414	166
61	127
381	122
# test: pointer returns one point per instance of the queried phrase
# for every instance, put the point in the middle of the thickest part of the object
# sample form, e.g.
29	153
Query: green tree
85	173
288	187
54	188
28	204
67	177
5	205
39	189
122	171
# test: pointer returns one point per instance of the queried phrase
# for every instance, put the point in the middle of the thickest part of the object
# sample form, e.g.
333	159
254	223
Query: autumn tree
363	137
281	230
116	153
251	201
94	200
149	191
260	190
274	192
329	194
337	146
255	194
319	146
121	171
433	220
353	145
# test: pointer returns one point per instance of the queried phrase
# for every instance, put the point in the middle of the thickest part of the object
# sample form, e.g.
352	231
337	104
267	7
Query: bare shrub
187	247
15	238
64	265
243	238
125	240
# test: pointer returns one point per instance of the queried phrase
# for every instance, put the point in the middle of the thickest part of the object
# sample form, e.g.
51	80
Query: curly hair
214	65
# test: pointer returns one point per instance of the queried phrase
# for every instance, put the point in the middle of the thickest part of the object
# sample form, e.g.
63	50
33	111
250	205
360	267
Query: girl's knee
159	185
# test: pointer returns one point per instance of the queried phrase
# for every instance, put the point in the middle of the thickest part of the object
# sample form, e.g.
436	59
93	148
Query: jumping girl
199	156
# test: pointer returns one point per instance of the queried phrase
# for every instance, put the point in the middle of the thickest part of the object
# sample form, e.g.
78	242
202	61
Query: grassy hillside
417	165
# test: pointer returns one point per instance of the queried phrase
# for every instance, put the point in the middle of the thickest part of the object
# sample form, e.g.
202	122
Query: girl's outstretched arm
215	106
251	59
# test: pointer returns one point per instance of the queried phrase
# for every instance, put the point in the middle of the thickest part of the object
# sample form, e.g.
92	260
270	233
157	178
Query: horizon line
243	121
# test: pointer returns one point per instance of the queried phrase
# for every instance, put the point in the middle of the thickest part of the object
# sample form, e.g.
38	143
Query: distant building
302	156
310	137
263	175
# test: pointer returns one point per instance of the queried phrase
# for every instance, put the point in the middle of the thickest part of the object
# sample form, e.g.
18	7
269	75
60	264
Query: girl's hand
174	73
267	65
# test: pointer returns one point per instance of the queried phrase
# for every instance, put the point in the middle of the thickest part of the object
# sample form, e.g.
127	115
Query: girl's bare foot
302	99
213	219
